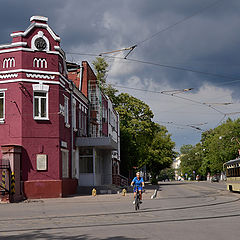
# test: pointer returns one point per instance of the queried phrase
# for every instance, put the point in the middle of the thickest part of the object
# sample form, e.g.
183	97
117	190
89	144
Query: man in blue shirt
138	183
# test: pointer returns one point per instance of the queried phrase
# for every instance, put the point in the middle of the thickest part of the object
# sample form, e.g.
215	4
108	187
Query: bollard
124	192
4	181
12	183
94	192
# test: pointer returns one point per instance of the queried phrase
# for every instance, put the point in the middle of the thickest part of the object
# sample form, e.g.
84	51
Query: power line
176	96
180	21
235	79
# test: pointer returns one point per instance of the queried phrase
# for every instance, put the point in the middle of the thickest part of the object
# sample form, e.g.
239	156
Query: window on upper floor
74	114
39	63
40	105
66	114
83	119
65	163
9	62
2	105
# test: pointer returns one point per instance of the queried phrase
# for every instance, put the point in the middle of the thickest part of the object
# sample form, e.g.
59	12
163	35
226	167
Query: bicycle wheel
136	203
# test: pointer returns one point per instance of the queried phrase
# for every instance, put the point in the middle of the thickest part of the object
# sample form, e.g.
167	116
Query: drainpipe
80	77
71	93
94	171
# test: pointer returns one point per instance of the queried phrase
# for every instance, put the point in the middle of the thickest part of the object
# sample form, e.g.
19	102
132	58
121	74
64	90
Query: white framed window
2	106
66	112
84	121
80	116
65	163
40	105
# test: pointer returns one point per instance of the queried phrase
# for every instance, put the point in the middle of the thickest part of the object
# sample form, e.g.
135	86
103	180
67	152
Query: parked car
215	179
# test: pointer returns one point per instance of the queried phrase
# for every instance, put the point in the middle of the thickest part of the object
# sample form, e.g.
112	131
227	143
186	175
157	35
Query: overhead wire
180	21
235	79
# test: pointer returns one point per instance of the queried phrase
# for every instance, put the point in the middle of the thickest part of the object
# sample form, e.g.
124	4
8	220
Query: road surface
182	211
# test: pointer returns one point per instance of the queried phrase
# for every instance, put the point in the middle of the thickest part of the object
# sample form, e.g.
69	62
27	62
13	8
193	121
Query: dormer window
39	63
9	62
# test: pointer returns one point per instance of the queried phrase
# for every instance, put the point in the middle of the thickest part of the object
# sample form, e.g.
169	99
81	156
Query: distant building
176	167
58	130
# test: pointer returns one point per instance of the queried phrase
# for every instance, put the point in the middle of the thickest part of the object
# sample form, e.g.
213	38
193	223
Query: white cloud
182	112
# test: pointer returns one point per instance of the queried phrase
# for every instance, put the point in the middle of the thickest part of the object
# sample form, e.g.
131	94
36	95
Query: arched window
40	63
9	62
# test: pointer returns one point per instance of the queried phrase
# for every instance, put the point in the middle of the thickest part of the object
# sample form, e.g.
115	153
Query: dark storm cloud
207	42
15	14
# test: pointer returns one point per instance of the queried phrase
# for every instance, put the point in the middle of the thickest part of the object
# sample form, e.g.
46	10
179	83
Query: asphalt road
182	211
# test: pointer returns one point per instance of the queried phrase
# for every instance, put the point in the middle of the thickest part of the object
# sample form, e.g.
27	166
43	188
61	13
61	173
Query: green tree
185	149
101	69
136	130
191	160
167	173
160	153
220	146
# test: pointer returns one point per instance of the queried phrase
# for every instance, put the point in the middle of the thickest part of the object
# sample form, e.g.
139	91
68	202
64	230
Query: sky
201	36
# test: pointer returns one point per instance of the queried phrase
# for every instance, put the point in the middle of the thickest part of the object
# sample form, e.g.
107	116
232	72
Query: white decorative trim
14	75
17	49
15	44
23	34
67	125
64	78
38	18
41	118
62	81
40	34
40	87
61	109
32	75
80	101
3	89
30	50
59	49
30	80
29	71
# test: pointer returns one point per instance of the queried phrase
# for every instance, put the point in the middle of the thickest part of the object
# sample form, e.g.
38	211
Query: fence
5	177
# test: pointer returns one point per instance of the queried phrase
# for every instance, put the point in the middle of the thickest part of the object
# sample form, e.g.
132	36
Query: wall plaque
41	162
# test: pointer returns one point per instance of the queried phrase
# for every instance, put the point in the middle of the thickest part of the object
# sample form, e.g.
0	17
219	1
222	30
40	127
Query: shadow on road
43	235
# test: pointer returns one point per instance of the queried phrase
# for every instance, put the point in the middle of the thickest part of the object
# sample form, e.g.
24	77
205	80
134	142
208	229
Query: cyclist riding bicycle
138	184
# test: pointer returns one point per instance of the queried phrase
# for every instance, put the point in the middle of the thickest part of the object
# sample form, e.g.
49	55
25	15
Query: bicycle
137	200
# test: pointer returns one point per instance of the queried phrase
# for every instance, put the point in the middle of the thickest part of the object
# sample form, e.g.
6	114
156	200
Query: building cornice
38	18
28	71
30	80
40	25
31	50
15	44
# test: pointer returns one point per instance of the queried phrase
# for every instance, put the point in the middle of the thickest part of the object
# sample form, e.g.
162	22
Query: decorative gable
40	42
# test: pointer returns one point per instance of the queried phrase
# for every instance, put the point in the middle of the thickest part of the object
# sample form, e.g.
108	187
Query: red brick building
49	129
35	115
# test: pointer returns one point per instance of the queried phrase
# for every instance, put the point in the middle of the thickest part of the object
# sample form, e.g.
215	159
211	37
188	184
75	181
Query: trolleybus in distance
233	174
